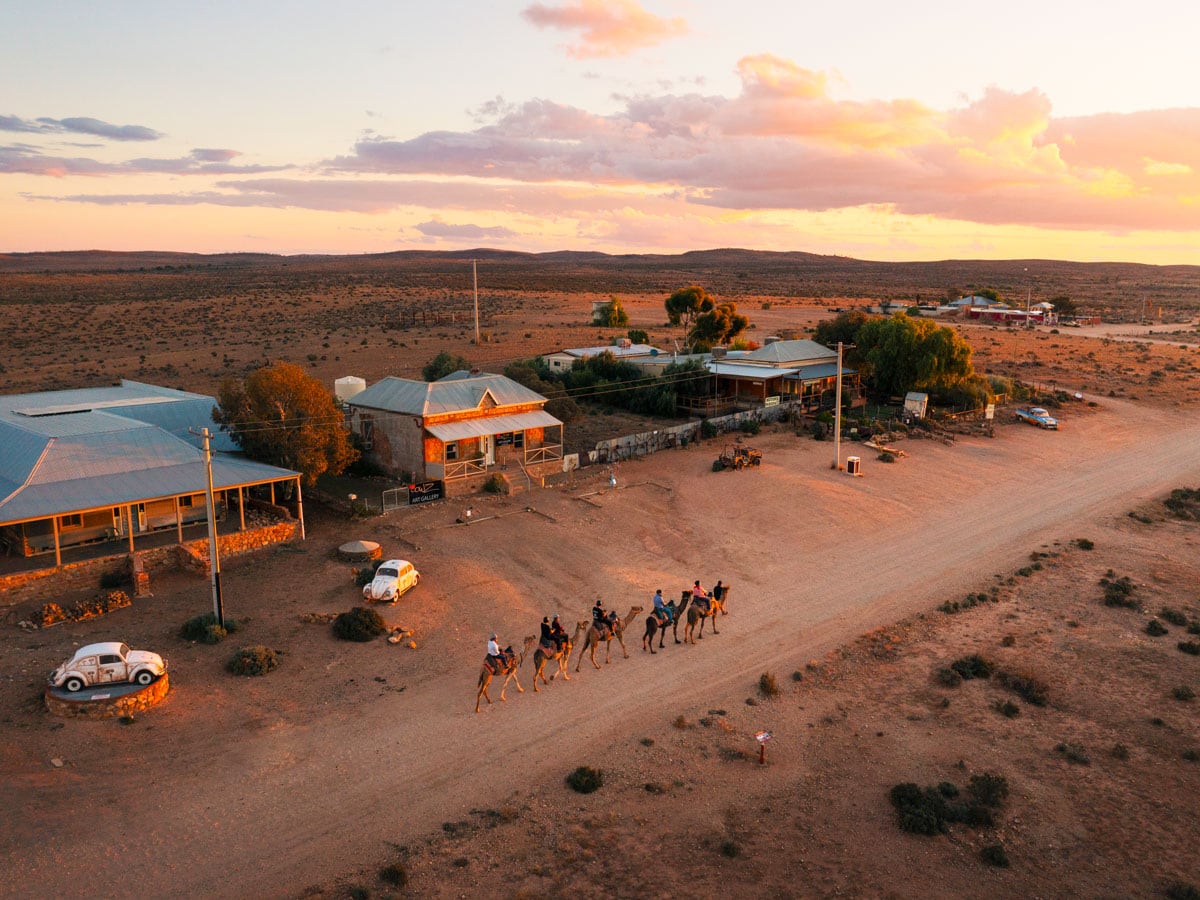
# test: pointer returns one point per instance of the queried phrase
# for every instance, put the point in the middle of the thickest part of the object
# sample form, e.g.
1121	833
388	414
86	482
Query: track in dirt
815	557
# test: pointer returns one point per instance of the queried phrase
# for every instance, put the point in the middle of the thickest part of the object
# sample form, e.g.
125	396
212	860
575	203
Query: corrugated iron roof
815	373
738	370
783	352
458	392
469	428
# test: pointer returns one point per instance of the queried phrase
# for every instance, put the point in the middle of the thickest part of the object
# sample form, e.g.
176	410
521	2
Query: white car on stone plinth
393	579
111	662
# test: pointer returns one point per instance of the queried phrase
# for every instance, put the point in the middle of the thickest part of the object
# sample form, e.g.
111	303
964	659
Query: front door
489	450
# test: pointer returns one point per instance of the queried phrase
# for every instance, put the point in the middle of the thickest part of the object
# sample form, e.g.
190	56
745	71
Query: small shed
915	404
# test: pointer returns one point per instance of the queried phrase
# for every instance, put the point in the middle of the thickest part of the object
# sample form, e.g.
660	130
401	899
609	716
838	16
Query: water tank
345	388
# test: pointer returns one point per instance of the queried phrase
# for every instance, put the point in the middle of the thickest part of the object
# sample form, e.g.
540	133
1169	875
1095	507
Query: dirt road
216	802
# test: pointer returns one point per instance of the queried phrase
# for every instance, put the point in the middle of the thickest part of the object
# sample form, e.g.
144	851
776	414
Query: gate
394	498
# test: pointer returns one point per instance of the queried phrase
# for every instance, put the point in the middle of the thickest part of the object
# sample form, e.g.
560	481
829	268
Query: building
801	372
459	430
624	350
115	465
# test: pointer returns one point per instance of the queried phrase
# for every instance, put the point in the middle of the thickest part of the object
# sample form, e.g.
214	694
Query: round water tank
345	388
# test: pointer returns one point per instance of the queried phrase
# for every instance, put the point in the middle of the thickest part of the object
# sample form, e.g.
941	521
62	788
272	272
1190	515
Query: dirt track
238	804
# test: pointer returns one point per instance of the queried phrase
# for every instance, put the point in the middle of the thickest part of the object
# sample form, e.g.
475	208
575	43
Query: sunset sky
919	130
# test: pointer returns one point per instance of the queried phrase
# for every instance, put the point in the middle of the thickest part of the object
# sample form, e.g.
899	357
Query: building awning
482	427
819	373
747	370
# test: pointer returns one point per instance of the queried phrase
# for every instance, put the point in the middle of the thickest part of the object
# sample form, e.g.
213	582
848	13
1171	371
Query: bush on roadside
359	624
206	630
257	660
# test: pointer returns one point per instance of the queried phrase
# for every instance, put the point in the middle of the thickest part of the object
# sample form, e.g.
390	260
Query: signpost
762	737
426	492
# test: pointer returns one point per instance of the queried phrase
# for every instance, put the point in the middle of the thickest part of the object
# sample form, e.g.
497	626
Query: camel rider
495	656
599	616
547	633
699	597
660	607
558	634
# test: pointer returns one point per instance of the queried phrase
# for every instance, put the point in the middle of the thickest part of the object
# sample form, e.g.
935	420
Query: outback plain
353	767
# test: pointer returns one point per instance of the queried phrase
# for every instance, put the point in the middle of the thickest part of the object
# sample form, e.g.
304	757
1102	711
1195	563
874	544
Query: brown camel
563	657
594	637
697	614
509	672
652	625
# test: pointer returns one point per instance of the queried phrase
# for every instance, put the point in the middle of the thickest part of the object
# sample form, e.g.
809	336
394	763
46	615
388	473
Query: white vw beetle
109	663
392	580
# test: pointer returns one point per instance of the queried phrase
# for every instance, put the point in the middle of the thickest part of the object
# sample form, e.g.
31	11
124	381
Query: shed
915	404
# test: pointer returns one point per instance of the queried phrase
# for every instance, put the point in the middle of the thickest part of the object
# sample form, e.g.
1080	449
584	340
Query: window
187	502
452	451
109	658
366	430
75	520
518	439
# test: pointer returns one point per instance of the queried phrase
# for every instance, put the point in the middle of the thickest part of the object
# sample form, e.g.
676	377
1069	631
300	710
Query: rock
57	763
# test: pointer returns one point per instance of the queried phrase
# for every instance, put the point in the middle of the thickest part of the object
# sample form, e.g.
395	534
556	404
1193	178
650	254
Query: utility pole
213	555
1028	297
475	274
837	415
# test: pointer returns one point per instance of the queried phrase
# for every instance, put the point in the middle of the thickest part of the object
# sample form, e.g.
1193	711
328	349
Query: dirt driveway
261	787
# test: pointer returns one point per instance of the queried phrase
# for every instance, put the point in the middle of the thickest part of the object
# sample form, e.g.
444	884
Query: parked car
393	579
108	663
1035	415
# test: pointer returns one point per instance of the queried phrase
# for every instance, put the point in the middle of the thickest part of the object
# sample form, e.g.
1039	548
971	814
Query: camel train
693	609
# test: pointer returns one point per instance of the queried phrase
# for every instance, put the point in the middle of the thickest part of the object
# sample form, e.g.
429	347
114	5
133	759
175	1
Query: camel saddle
661	617
490	665
548	648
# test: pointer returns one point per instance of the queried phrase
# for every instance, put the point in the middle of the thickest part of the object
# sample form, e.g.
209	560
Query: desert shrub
1174	616
817	430
1119	591
396	875
1025	571
359	624
797	675
730	849
707	429
585	780
767	686
751	426
886	456
1182	890
1183	693
1190	647
257	660
948	789
1074	753
1184	503
1007	708
1191	755
494	484
1084	544
919	811
358	892
948	677
1155	628
1009	640
1120	751
973	666
365	575
994	855
206	630
988	789
1029	687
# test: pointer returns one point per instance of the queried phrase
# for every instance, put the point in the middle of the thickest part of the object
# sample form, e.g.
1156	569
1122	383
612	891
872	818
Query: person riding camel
558	634
661	610
700	598
600	618
495	656
547	634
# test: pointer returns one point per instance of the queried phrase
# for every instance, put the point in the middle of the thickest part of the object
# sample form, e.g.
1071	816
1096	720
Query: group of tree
706	322
896	354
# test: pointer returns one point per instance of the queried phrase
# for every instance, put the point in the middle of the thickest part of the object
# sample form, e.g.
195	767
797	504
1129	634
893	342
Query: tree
283	416
718	325
442	365
637	336
844	328
989	294
902	353
614	314
686	304
1064	306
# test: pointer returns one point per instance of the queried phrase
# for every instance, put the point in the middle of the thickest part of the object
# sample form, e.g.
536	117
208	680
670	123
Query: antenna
475	274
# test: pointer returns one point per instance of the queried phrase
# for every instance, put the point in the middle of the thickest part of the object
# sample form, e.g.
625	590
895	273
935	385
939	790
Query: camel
677	607
563	656
510	672
594	637
696	614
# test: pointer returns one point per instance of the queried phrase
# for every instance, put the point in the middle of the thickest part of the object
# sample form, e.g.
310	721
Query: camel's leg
621	638
483	686
714	625
513	676
582	650
538	672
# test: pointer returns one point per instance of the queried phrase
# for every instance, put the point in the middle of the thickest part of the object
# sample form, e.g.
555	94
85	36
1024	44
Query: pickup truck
1035	415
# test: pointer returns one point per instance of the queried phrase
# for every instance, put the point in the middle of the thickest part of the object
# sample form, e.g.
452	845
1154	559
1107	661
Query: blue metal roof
457	392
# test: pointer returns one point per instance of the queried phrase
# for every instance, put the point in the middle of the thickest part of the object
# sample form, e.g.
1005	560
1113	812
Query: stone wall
126	705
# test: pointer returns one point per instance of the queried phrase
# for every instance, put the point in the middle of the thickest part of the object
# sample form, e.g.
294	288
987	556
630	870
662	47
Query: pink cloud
605	27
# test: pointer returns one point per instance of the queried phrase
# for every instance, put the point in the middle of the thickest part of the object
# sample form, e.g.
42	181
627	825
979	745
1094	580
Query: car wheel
144	677
73	684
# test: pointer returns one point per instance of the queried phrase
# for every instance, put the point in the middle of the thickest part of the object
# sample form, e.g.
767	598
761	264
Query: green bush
1190	647
206	630
1029	687
767	686
973	666
751	426
396	875
1155	628
585	780
1007	708
1074	753
919	811
886	456
1183	693
494	484
1084	544
994	855
1119	591
257	660
365	575
707	429
948	677
988	789
1174	616
1182	890
359	624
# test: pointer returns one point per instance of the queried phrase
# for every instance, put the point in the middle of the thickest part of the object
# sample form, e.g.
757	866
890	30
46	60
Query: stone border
138	700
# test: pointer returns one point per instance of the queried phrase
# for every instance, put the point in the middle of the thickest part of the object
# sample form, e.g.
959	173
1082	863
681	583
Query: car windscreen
385	572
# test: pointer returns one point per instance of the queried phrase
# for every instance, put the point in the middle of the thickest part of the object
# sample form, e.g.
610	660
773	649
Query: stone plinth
107	701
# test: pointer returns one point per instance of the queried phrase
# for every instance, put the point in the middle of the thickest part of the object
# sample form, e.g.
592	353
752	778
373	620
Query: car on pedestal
393	579
111	662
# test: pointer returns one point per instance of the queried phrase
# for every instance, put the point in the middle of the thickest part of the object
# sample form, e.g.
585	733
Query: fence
637	445
395	498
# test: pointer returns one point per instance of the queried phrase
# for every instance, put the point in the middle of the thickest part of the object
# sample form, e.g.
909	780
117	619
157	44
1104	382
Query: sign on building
426	492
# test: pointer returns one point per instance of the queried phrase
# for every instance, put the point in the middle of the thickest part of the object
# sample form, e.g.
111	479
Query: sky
891	131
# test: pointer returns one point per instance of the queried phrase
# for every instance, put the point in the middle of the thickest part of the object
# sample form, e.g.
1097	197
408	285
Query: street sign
990	412
771	401
762	736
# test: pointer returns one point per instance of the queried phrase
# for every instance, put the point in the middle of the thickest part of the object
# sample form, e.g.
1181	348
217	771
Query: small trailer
1035	415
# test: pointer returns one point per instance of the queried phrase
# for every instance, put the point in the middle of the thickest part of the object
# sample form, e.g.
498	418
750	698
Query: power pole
213	555
475	274
837	415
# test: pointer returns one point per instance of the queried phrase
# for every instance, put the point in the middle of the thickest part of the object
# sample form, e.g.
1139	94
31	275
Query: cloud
204	154
24	159
439	229
605	27
80	125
